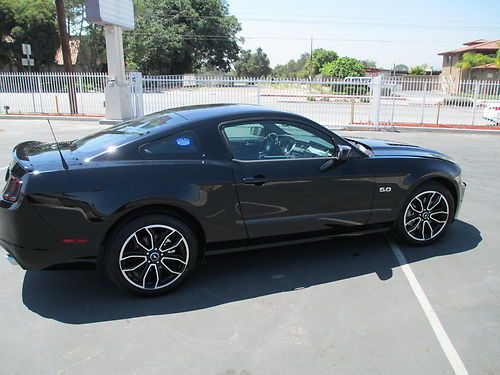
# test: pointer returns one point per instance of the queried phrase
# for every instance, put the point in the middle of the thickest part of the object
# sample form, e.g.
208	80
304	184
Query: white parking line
444	340
1	169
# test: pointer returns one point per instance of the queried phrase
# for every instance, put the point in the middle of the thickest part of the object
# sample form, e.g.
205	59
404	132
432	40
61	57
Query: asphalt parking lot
345	306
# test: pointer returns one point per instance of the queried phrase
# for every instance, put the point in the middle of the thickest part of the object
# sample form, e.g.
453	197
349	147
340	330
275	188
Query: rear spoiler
21	151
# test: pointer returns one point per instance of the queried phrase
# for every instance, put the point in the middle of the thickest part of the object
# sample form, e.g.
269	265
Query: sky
388	32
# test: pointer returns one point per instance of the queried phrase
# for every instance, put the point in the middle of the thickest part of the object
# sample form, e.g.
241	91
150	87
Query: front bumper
461	191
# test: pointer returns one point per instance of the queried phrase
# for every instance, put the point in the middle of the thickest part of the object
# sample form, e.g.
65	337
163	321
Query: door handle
257	180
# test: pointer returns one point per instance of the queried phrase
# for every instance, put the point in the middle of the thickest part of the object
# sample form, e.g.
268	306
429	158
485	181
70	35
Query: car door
282	187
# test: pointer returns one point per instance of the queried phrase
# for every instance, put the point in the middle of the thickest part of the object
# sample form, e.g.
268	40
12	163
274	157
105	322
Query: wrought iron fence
50	93
331	102
379	101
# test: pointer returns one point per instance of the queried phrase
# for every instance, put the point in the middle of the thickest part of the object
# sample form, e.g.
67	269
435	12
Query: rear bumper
33	244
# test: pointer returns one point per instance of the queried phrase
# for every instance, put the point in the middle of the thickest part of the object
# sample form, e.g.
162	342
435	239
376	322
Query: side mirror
256	130
343	154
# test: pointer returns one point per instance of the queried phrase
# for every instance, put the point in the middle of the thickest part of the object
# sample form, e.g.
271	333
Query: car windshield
123	133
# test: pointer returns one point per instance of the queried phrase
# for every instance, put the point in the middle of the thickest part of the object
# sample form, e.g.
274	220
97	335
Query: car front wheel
151	255
426	215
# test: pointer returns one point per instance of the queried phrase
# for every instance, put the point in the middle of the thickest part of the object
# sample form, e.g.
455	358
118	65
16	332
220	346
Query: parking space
342	306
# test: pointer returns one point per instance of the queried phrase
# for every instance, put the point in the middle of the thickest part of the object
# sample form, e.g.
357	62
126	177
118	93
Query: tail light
496	108
12	189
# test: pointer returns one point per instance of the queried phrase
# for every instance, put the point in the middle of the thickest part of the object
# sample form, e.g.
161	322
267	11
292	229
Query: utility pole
311	65
66	52
311	59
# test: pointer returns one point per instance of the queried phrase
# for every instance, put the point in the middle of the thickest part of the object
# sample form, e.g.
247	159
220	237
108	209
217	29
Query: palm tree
470	60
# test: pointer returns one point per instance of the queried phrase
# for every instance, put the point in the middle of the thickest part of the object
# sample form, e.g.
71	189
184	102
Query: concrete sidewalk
402	128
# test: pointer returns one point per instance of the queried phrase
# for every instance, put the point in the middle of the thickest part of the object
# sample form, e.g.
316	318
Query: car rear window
123	133
184	145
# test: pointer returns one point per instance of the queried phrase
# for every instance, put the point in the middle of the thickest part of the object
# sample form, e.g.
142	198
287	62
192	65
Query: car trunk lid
41	156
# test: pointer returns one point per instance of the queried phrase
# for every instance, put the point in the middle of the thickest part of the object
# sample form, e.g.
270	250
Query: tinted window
248	131
183	145
118	135
277	140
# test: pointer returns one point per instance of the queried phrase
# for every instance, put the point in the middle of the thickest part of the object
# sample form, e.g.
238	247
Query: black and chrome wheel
151	254
426	214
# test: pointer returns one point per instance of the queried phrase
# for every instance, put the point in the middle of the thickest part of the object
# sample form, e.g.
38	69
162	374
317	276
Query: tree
417	70
292	68
344	67
470	60
90	37
253	64
320	57
66	52
401	68
369	63
75	17
28	21
63	35
179	36
94	43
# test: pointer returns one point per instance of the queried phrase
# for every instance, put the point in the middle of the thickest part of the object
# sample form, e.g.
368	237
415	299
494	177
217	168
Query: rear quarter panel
90	200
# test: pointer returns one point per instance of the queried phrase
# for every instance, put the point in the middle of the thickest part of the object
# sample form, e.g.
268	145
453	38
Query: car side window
184	145
269	140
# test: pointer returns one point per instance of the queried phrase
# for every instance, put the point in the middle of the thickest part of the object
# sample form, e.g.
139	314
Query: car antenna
64	164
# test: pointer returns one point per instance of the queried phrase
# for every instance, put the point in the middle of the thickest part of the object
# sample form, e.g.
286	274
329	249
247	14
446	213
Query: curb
412	129
42	117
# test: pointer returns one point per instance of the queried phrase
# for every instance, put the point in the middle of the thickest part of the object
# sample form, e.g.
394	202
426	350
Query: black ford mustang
149	198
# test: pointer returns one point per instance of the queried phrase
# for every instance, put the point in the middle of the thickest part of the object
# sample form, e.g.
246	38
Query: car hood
384	148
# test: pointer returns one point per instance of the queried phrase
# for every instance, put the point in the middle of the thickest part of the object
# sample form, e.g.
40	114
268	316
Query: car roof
227	112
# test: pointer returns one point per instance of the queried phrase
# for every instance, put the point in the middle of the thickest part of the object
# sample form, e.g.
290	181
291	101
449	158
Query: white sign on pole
28	62
111	12
26	49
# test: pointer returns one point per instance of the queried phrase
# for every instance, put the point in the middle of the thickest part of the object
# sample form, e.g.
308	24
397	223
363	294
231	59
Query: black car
148	199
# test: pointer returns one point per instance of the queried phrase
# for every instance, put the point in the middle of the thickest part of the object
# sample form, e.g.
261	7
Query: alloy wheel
154	257
426	215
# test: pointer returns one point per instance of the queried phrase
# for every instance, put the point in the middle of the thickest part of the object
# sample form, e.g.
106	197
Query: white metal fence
28	93
394	100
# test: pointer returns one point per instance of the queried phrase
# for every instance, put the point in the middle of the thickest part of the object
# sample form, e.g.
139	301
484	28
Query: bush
344	67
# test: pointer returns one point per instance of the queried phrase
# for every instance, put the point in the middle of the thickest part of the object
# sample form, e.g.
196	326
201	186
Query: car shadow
80	297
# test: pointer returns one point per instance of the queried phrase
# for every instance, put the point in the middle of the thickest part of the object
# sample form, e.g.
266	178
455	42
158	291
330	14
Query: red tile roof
486	66
477	41
476	46
74	46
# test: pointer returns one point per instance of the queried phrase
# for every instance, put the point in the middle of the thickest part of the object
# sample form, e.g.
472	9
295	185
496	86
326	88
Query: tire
151	255
437	210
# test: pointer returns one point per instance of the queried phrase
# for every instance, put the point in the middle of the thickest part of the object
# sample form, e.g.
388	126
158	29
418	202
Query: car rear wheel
151	254
426	215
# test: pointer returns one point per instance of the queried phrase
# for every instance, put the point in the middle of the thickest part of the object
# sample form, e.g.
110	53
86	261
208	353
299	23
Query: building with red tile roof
483	46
